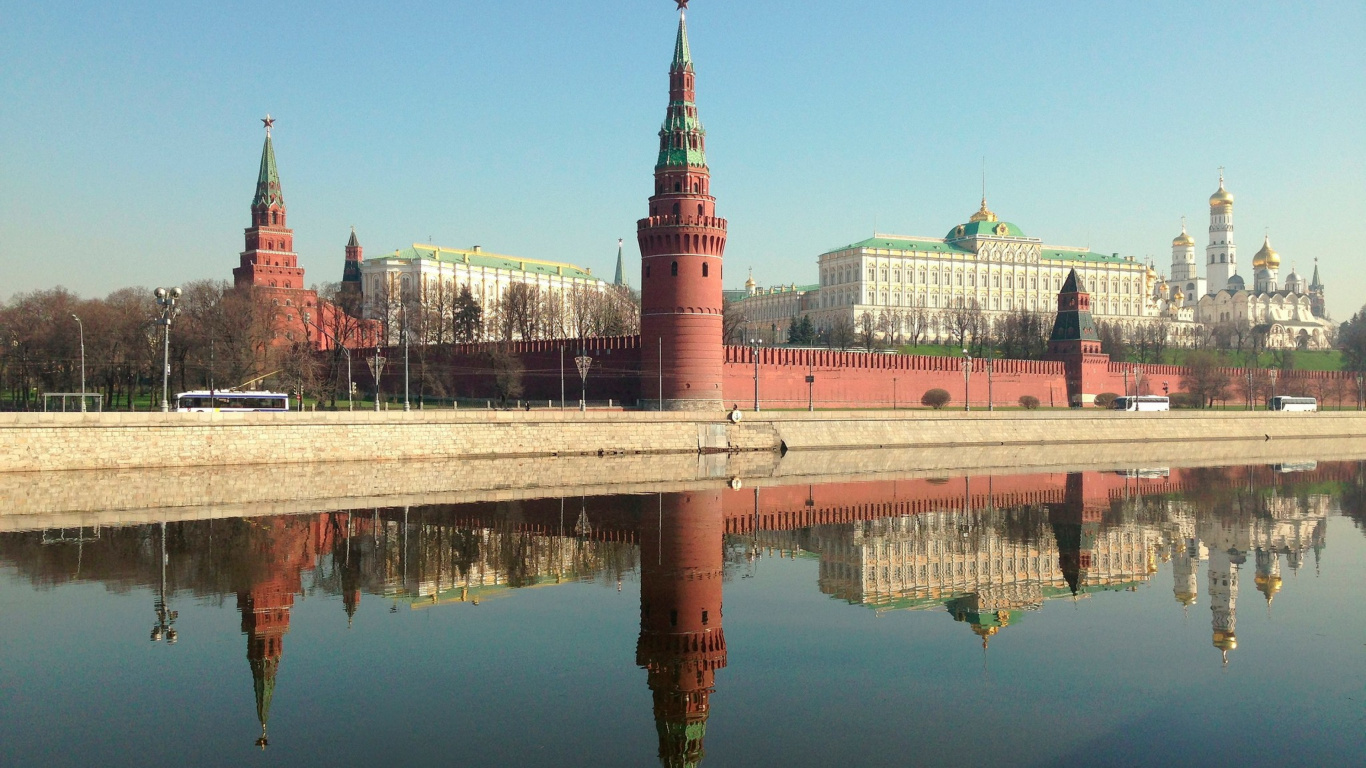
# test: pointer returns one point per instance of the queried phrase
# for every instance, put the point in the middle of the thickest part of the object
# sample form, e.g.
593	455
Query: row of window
969	278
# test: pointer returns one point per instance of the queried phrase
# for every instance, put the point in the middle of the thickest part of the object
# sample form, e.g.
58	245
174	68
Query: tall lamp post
377	370
166	299
583	363
406	406
81	325
1361	385
967	379
754	352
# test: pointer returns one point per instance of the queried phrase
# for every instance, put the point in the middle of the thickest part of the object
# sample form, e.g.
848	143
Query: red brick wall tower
681	642
681	243
269	259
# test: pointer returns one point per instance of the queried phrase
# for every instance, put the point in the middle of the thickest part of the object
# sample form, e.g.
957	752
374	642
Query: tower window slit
673	270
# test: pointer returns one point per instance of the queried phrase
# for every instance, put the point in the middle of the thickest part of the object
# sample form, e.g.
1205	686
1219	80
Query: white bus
1288	403
1141	403
204	401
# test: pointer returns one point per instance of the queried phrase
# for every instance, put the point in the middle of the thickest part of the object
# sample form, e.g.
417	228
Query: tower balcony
709	222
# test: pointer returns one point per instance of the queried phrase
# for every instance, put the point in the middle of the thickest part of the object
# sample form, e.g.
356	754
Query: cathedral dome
1221	198
1267	256
1183	239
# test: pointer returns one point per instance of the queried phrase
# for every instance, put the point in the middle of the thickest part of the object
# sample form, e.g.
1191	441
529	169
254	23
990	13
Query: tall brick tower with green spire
681	244
269	260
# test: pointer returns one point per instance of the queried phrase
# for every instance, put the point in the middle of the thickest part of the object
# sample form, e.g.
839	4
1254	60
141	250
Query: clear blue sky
129	138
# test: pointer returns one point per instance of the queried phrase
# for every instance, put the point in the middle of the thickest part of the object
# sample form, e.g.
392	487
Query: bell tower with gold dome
1221	254
1266	268
1186	279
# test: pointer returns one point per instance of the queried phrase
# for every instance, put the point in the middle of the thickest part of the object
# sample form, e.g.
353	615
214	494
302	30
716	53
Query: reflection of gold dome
1268	585
1185	598
1222	197
1225	641
1267	256
984	632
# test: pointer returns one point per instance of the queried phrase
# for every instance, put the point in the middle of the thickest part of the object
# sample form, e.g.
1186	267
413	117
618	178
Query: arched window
673	270
871	275
678	187
705	269
676	210
699	210
884	274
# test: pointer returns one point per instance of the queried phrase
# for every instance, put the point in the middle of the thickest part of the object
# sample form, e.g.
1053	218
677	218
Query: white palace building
992	265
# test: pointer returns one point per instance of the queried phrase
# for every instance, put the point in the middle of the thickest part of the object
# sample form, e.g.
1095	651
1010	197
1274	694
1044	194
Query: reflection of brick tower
681	642
1076	526
289	546
681	243
1075	343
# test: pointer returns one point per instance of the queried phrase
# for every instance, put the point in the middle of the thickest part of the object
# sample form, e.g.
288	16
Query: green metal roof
983	229
490	261
268	180
682	51
1055	254
885	242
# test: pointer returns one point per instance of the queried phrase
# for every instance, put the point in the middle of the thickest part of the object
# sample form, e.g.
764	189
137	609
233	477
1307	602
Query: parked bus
1288	403
204	401
1141	403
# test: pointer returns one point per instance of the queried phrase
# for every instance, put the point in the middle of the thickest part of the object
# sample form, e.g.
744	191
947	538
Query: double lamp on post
166	299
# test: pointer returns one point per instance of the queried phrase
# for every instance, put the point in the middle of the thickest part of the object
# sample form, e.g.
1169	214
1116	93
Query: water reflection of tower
681	641
283	549
1223	596
1076	524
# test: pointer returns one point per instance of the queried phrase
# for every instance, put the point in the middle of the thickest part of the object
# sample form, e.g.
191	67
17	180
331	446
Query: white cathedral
1271	314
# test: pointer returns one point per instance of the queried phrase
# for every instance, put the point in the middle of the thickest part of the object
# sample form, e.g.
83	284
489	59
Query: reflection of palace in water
985	550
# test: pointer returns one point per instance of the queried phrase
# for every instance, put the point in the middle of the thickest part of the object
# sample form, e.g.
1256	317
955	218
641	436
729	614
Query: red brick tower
681	243
269	260
681	642
1075	343
354	256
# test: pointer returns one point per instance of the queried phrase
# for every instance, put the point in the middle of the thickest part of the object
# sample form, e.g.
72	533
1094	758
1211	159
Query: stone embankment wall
43	442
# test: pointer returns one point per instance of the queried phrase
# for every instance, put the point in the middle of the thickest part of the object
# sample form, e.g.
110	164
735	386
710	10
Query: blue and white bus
1141	403
1289	403
204	401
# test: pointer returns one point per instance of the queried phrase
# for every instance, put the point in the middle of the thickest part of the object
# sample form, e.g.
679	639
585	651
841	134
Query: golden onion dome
1267	256
1183	239
1221	198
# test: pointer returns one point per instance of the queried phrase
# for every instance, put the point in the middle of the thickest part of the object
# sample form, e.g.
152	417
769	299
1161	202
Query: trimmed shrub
1185	400
1029	402
1105	399
936	398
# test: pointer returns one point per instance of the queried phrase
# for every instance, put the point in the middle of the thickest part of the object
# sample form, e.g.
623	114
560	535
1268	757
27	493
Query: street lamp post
377	370
166	299
967	379
1361	390
583	363
406	406
754	352
81	325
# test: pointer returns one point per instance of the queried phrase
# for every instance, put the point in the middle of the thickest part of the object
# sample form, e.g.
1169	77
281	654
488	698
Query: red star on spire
269	121
682	4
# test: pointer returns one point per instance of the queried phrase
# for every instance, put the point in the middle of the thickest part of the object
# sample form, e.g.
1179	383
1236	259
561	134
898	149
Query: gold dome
1267	256
1185	598
1225	641
1268	585
1221	198
1183	239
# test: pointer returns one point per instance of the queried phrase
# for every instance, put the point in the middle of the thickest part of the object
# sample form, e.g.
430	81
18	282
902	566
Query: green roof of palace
1054	253
490	261
983	228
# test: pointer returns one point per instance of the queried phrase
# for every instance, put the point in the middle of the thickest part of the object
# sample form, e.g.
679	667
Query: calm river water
1154	617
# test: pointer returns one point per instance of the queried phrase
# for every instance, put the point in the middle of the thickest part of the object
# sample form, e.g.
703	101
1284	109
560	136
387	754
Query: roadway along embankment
50	442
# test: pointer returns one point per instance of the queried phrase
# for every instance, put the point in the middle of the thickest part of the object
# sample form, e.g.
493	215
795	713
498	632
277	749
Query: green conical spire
1315	284
621	267
268	181
682	53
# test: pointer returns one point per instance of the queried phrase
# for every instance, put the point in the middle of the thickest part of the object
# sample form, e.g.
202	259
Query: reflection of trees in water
1353	498
204	557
